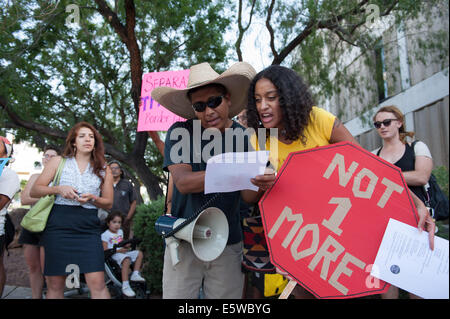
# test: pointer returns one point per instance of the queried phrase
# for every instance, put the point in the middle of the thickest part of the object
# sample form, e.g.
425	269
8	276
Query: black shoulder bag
436	200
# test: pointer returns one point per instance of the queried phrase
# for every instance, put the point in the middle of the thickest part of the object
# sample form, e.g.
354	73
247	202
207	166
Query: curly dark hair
295	100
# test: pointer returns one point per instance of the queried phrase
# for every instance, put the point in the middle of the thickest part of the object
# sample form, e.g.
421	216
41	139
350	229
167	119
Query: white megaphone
207	234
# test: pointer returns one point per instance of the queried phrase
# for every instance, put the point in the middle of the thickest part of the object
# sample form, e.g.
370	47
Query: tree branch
52	132
271	32
28	124
294	43
242	29
113	19
331	24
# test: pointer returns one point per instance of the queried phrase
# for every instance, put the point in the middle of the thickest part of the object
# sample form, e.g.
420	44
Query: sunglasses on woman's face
212	103
386	123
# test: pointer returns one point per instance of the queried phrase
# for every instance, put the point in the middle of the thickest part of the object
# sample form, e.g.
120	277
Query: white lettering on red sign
330	250
287	214
345	176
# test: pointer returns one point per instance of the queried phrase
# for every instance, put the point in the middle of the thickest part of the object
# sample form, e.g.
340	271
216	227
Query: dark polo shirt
185	205
124	195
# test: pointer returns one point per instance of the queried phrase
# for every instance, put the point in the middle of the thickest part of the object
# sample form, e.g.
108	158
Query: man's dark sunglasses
212	102
386	123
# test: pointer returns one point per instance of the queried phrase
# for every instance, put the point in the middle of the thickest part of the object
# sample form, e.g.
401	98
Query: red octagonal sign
325	216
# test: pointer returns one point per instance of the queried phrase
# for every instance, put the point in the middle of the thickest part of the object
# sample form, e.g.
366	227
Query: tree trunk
150	181
128	36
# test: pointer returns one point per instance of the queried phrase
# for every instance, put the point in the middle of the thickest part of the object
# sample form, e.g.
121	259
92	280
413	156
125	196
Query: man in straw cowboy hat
208	103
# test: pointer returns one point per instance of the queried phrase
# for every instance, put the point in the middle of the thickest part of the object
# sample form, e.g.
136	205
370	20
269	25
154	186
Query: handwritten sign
325	217
152	115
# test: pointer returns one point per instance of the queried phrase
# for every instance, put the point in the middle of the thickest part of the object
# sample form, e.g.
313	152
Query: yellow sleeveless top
317	133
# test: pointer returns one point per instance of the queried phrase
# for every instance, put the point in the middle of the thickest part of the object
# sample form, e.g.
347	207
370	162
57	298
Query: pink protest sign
152	115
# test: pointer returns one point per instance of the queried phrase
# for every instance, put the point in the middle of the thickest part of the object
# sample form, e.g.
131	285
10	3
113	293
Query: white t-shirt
9	186
420	149
112	238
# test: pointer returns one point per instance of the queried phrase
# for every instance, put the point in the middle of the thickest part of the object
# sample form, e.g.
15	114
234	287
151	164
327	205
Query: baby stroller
113	273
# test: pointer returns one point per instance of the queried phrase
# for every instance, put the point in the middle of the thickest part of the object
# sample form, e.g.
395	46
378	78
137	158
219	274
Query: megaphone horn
207	234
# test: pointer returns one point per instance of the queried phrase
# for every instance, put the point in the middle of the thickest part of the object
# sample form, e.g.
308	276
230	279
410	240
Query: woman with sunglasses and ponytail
415	162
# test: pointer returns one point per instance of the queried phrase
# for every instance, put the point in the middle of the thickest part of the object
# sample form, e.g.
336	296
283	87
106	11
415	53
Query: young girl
124	256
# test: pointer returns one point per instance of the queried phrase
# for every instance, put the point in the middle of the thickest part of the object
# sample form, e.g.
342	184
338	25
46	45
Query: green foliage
23	183
322	58
178	33
442	226
441	174
56	73
152	245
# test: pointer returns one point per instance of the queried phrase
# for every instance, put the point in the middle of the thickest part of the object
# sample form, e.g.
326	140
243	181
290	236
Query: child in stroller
120	252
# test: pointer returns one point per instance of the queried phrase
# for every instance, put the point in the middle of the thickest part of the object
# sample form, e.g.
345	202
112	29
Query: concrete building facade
414	61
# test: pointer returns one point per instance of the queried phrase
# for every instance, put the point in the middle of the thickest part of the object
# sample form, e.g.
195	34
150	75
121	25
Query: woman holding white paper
278	98
414	161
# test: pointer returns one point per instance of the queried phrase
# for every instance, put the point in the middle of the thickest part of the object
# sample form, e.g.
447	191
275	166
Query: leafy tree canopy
56	70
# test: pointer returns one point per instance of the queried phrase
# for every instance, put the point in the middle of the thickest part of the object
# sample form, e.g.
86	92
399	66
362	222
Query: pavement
16	292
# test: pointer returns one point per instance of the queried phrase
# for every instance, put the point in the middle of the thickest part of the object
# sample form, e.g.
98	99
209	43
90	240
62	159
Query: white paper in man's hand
229	172
405	260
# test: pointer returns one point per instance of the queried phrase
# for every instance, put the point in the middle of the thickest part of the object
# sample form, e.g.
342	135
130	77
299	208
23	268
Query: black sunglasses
386	123
212	102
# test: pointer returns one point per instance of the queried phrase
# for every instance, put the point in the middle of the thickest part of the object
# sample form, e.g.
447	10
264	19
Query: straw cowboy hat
236	79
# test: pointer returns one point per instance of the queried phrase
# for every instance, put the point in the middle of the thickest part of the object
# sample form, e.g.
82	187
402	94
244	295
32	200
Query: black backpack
436	200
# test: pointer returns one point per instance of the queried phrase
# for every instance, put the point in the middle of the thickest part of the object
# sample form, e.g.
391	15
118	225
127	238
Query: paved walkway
16	292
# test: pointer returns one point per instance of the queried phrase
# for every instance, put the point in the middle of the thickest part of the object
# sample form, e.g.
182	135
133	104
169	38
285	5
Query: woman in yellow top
279	99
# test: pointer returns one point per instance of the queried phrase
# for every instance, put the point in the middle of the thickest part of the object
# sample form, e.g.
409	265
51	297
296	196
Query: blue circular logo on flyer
395	269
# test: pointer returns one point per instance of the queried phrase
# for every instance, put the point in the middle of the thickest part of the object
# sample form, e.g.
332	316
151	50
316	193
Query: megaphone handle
172	244
288	289
190	219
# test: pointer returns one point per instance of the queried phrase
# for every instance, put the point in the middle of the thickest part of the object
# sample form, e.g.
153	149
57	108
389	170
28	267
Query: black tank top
407	163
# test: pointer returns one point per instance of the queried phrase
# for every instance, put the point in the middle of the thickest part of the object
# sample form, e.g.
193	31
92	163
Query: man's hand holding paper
231	172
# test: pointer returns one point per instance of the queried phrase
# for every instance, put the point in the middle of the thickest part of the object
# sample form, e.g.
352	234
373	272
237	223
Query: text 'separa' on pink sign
152	115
